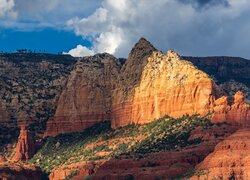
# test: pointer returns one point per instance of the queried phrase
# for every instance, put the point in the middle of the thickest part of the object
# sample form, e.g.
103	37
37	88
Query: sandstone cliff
86	99
230	159
153	84
149	85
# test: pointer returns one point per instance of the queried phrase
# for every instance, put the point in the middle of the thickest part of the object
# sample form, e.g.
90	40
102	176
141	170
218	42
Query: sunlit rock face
153	84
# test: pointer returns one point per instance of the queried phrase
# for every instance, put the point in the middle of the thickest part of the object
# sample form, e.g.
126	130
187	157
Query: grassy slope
102	142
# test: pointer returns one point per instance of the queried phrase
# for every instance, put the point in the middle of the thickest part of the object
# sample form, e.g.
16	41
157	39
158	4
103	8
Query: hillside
30	85
72	154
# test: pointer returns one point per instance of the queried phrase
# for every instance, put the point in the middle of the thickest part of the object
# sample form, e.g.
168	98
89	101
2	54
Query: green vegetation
102	142
8	135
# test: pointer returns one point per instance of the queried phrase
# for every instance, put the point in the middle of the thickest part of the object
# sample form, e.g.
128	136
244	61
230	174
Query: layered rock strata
230	159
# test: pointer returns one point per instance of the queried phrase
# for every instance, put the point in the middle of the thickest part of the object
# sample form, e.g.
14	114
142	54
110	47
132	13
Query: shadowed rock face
224	68
20	172
230	159
86	99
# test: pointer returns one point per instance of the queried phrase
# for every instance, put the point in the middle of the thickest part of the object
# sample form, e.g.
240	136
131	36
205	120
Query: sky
86	27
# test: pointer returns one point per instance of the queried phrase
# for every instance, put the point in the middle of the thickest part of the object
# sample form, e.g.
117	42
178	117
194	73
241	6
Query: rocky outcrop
148	86
86	99
25	147
237	111
153	84
230	159
20	172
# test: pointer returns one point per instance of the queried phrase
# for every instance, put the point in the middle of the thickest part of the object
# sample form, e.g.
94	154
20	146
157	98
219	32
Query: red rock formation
20	172
148	86
86	99
2	159
236	112
230	159
153	84
25	147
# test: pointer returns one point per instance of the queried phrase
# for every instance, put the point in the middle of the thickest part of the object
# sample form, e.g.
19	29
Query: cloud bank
191	27
7	9
38	14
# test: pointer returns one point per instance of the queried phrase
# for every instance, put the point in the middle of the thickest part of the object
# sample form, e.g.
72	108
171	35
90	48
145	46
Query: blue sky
86	27
48	39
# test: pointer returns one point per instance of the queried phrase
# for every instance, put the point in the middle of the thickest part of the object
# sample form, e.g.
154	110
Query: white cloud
80	51
168	24
7	9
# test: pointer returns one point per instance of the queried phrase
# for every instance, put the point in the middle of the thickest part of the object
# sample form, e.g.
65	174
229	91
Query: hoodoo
236	112
25	147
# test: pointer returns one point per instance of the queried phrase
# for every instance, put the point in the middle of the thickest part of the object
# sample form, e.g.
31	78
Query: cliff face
230	159
154	84
149	85
86	99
